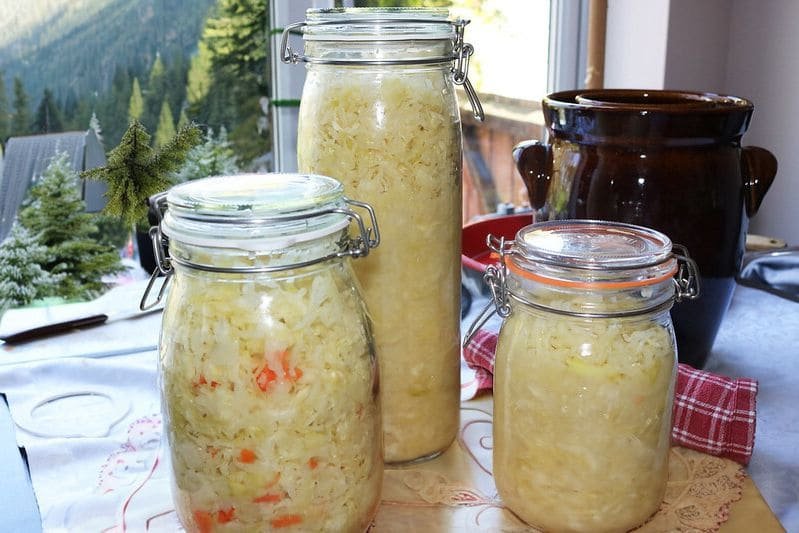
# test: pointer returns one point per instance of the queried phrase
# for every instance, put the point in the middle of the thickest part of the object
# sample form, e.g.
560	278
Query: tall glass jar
379	112
584	373
267	367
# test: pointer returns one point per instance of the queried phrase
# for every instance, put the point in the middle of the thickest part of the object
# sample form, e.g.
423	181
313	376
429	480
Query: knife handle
54	329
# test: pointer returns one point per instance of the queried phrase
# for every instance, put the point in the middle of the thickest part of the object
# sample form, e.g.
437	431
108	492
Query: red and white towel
712	414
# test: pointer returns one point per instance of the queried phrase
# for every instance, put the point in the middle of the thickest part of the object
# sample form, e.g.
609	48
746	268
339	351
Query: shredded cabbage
582	418
270	390
392	136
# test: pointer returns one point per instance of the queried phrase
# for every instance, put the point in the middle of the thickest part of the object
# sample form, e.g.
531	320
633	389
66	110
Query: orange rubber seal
513	267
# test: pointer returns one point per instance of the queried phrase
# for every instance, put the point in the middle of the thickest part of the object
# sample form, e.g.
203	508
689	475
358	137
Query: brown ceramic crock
668	160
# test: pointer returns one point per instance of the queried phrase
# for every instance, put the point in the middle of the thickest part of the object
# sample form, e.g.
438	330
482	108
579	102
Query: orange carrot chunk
313	462
205	522
268	498
286	520
265	377
223	516
247	456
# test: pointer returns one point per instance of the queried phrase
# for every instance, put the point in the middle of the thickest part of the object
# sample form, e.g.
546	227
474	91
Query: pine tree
21	117
154	95
94	125
48	117
199	77
135	171
56	215
5	117
136	103
214	157
22	278
166	126
183	119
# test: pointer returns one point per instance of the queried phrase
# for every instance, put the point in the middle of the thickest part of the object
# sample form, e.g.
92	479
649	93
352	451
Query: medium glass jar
584	372
380	114
267	367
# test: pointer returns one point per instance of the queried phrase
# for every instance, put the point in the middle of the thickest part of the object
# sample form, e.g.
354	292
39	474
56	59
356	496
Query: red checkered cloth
712	414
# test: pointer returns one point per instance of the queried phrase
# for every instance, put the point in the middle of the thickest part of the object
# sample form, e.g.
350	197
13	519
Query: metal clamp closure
461	53
686	281
360	246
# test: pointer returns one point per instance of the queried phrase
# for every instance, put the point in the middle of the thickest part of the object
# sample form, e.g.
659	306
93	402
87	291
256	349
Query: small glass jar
584	372
379	113
267	368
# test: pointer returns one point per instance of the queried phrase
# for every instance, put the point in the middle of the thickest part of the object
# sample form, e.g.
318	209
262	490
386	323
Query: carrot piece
205	522
247	456
214	384
272	497
223	516
297	373
286	520
273	482
313	462
202	380
265	377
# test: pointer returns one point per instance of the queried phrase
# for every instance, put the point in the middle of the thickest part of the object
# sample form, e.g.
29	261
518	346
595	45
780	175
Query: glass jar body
270	392
582	411
391	135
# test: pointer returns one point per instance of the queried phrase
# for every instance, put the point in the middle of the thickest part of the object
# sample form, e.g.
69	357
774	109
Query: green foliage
21	117
81	43
135	171
48	117
236	39
94	125
214	157
5	117
199	76
166	126
56	215
183	119
136	102
154	94
22	278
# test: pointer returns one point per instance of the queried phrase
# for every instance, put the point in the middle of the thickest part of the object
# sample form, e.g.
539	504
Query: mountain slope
76	45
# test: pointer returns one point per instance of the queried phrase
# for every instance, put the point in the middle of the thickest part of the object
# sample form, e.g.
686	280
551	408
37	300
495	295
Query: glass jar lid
256	212
381	23
592	254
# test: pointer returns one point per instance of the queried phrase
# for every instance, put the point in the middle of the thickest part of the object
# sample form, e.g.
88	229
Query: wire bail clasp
287	54
686	281
495	277
460	71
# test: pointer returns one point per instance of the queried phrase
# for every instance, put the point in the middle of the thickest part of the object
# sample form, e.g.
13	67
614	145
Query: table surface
758	339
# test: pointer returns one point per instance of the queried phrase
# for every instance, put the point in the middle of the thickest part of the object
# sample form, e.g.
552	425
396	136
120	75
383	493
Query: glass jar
267	368
584	372
380	114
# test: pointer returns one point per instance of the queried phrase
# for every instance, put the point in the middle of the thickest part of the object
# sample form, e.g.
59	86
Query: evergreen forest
66	64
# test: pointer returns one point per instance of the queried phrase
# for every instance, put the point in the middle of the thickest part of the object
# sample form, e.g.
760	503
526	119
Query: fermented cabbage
270	391
392	137
582	418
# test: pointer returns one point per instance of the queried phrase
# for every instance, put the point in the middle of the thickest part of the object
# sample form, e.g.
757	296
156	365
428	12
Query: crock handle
534	161
758	168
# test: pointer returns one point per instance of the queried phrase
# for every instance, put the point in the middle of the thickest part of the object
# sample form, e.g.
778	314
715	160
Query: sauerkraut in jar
584	373
267	367
379	112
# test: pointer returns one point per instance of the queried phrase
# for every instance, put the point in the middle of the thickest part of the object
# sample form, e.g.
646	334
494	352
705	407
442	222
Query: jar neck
591	303
235	260
398	52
